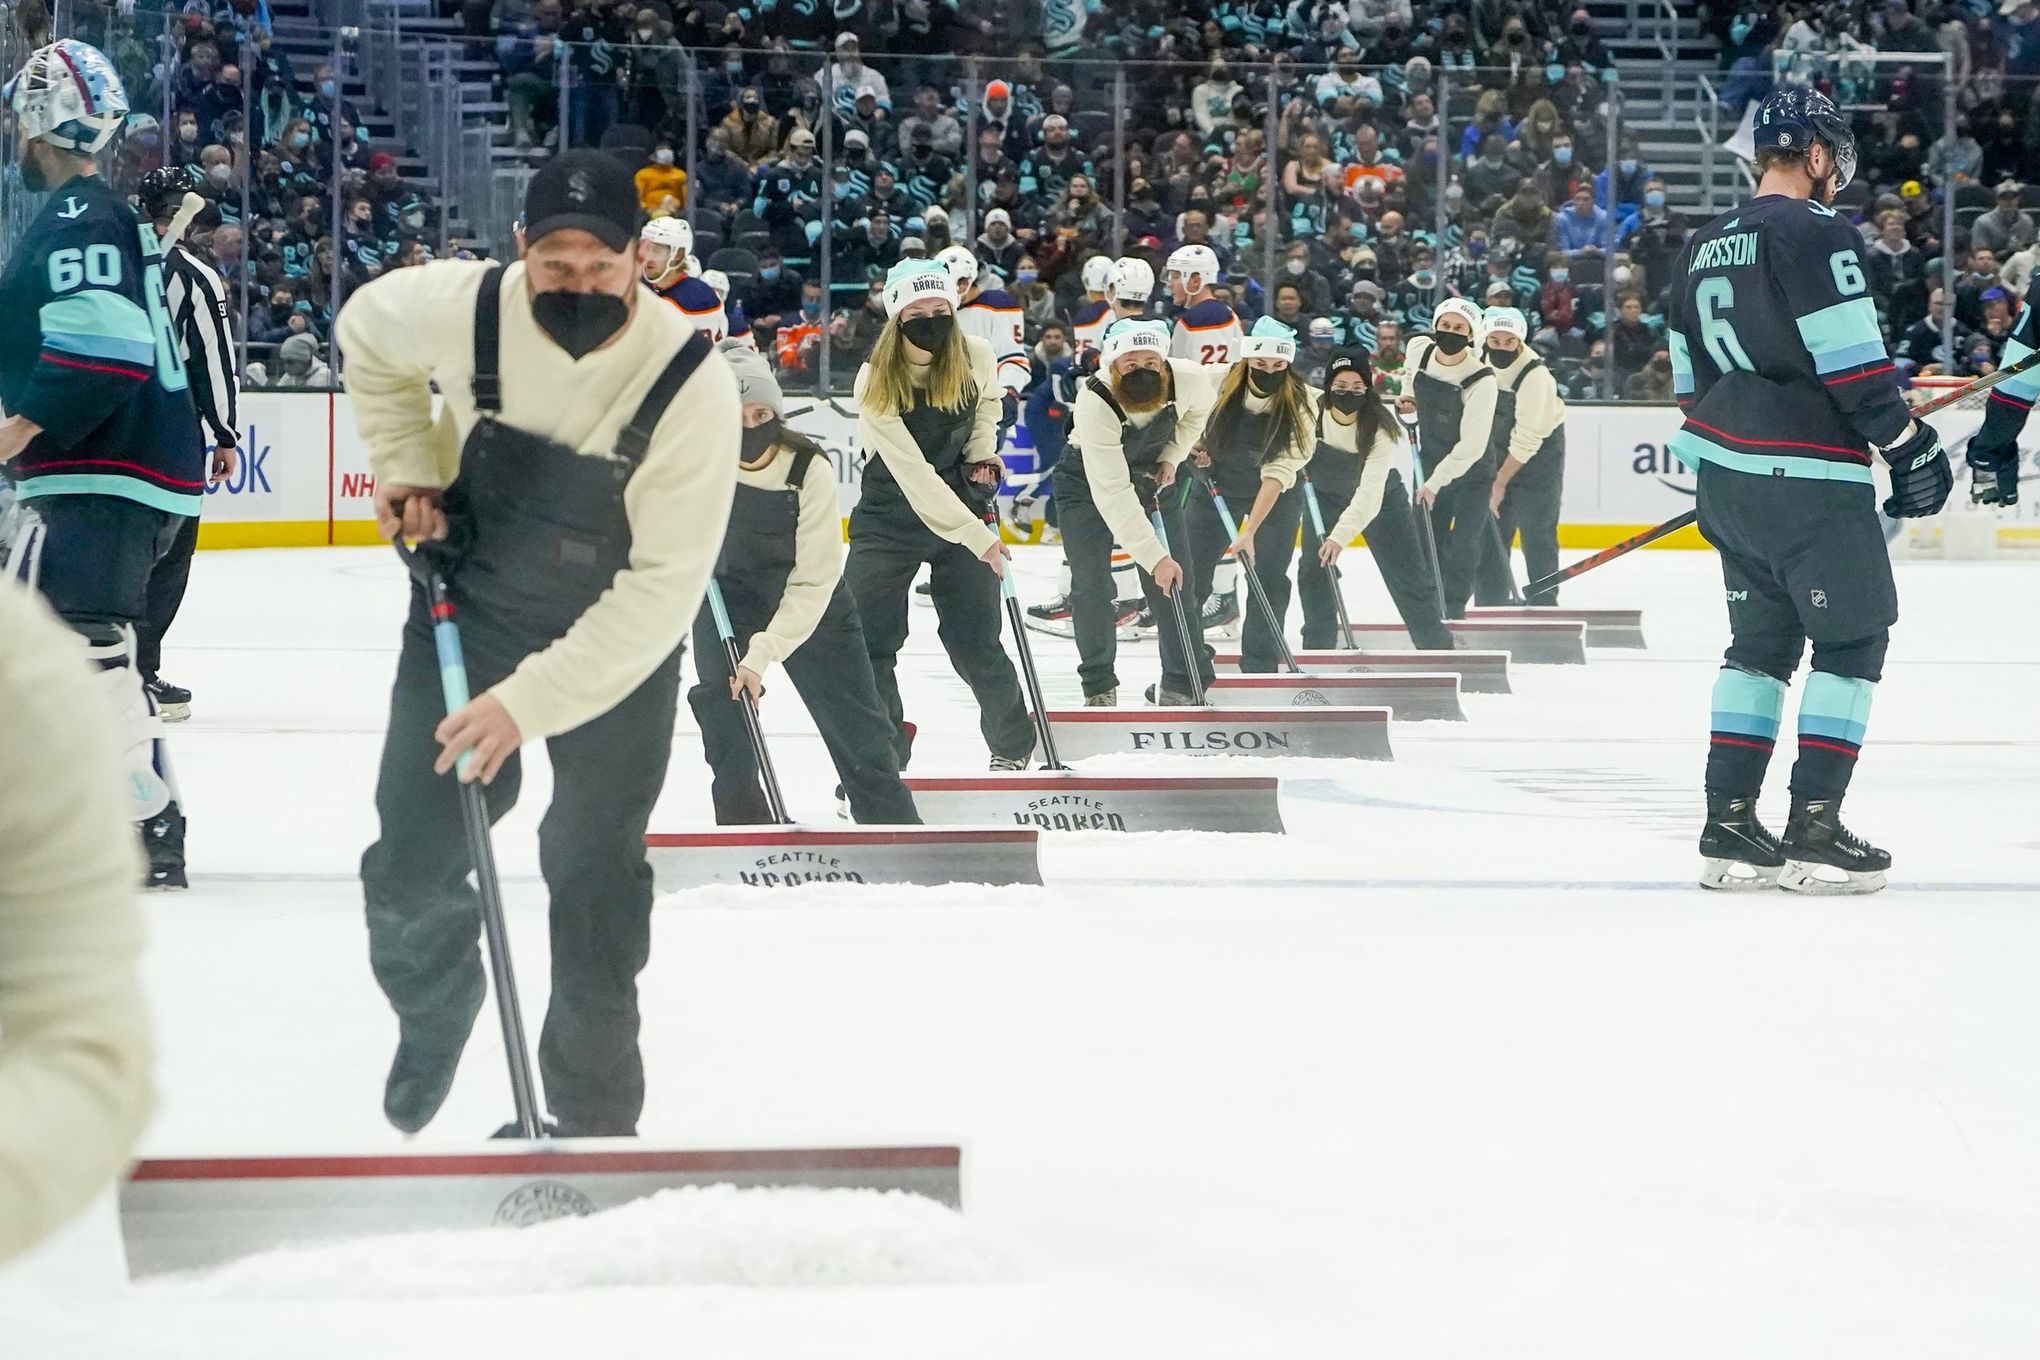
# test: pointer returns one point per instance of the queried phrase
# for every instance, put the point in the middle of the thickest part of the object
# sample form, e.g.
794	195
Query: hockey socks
1833	713
1747	710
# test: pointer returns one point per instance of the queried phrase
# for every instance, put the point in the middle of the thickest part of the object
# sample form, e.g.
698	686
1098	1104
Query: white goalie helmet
69	95
1097	273
1133	280
961	264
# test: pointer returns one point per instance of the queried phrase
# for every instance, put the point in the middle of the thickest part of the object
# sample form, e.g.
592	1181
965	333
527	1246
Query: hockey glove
1920	476
1009	411
1993	473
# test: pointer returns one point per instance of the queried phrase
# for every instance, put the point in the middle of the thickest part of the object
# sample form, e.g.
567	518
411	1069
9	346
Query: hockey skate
1737	852
1825	858
1222	615
163	840
1140	627
173	702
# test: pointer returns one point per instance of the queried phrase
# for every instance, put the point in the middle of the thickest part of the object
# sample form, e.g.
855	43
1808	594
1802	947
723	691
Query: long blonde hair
890	390
1289	399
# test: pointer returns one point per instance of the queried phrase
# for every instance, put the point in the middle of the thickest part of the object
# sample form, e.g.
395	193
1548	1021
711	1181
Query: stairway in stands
1664	57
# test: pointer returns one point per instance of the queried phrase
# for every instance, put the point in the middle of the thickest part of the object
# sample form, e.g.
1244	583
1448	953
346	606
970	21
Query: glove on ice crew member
666	255
1358	479
575	489
1527	445
992	315
1207	330
100	437
1779	362
1453	394
781	576
1261	433
1136	419
928	404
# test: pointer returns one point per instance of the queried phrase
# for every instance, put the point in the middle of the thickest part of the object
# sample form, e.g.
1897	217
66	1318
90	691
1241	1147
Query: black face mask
580	323
1141	384
1263	383
930	333
1502	358
757	439
1451	342
1345	403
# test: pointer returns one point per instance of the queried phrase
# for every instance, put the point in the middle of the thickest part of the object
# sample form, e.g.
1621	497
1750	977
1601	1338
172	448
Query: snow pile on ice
695	1235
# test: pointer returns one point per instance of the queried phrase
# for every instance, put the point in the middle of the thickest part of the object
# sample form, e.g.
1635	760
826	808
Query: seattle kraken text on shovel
1211	741
785	868
1068	812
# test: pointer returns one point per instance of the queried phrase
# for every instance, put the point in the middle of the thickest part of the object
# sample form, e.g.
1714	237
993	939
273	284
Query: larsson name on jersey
1725	252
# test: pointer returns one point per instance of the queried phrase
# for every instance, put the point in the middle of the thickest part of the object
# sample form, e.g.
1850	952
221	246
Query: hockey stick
453	684
1331	569
1252	573
1192	661
1423	514
775	803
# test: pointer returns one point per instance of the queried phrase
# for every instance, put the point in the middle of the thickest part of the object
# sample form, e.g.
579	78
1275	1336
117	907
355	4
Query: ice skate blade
1802	876
174	713
1061	627
1720	875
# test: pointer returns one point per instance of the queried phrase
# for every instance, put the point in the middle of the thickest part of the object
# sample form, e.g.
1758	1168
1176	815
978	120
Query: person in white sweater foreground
74	1031
928	405
574	491
781	579
1451	392
1528	445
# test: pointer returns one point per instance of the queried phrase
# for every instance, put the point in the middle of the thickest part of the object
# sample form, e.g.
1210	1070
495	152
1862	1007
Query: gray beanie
755	383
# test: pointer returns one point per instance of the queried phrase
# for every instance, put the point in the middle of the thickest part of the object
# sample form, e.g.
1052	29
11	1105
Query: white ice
1462	1067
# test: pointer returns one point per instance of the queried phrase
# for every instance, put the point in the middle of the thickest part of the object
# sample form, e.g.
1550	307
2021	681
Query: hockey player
992	315
1260	435
1779	362
665	249
1137	418
1527	445
1452	393
928	408
1993	454
781	576
1093	315
100	434
1132	285
733	309
1207	330
198	313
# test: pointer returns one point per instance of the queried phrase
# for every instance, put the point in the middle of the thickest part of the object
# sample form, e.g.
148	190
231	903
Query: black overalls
1391	538
888	544
1087	547
1460	518
830	670
536	533
1532	500
1239	441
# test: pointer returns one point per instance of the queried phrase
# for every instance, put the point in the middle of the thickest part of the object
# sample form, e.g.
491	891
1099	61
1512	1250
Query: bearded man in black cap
574	493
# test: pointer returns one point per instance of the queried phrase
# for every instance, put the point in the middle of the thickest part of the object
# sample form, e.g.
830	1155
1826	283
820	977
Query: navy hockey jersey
1777	357
90	355
700	305
1207	332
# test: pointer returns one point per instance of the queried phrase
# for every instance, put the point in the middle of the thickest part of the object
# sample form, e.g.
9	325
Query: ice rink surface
1462	1067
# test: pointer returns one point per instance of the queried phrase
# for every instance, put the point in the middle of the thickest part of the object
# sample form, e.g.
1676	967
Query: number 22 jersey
1778	360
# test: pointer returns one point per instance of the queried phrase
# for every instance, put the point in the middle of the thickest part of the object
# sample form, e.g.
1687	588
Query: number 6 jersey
89	354
1777	357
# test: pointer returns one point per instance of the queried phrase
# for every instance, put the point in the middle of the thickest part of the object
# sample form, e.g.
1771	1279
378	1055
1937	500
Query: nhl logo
540	1202
1819	598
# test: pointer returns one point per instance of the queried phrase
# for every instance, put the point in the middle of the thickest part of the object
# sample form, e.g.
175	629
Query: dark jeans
165	595
1087	547
1460	521
1398	552
1533	510
424	920
1274	544
887	547
832	674
99	554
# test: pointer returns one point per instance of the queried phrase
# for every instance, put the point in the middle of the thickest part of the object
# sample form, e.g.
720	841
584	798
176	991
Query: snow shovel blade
192	1214
1529	642
788	856
1358	733
1605	627
1416	696
1478	672
1060	800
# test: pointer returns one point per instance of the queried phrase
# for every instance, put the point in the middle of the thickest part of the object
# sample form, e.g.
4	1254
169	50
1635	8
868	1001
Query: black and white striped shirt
198	311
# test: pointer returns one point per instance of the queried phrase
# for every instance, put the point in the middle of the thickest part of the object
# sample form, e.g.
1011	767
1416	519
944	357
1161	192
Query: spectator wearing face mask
751	134
1631	176
1557	303
1526	216
997	246
1582	47
1299	268
1561	174
774	291
662	185
1632	338
724	180
1413	299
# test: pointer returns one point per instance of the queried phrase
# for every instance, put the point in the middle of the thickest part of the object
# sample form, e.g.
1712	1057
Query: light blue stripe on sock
1748	705
1835	707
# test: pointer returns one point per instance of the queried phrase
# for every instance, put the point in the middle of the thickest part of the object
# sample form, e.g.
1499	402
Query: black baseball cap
590	191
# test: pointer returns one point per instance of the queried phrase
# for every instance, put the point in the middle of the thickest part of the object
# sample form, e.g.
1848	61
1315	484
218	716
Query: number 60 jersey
89	354
1777	357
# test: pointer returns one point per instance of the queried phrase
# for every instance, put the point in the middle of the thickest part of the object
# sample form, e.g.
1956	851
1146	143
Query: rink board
196	1213
1418	696
1060	800
1605	627
1355	733
786	857
1529	642
1478	672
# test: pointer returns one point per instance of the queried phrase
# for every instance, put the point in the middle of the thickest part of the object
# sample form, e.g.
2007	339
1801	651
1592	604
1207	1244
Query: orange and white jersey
994	316
1089	324
1208	333
700	305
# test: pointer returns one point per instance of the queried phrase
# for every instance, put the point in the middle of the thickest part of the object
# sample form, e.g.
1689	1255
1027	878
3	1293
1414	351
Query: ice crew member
1527	445
1207	330
992	315
580	478
1453	395
1137	418
198	314
1779	362
781	576
100	437
928	405
665	251
1261	433
1360	491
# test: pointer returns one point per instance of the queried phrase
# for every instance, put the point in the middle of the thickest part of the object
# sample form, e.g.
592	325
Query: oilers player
992	315
1781	368
1094	313
665	249
1207	331
100	436
733	308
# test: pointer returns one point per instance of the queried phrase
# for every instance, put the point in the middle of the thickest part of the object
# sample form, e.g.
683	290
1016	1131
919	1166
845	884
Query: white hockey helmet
718	282
670	232
1097	273
1200	261
69	95
1133	280
692	265
961	264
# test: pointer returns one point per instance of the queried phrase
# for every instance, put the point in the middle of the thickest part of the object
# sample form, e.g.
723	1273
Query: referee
198	312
